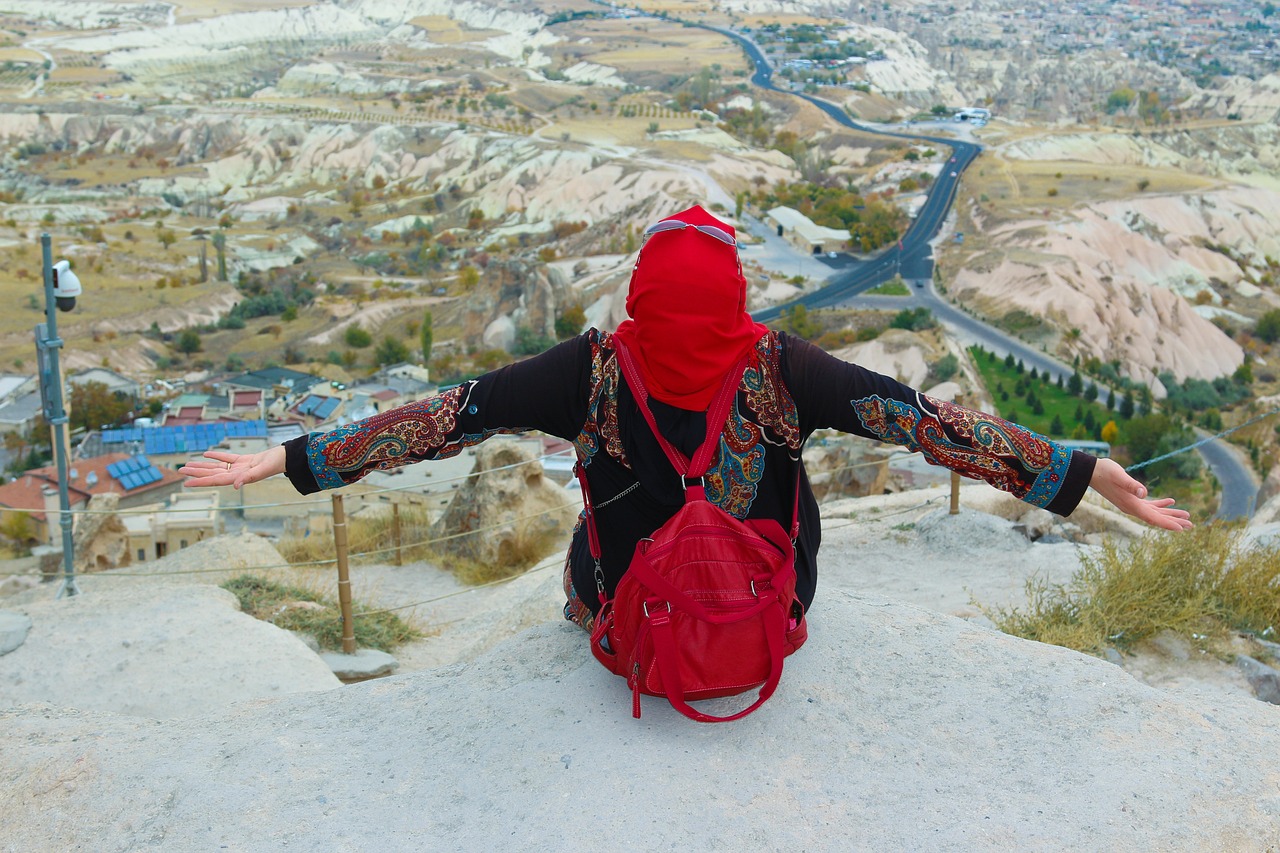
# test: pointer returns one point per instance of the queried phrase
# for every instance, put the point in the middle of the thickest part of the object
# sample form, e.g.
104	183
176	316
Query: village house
800	231
276	383
173	444
188	518
133	477
116	383
315	410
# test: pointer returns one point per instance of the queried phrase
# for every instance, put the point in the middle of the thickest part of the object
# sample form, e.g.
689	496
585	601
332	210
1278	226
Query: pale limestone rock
889	711
100	541
513	503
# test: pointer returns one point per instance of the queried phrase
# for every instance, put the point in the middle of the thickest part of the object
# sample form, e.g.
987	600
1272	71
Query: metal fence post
344	578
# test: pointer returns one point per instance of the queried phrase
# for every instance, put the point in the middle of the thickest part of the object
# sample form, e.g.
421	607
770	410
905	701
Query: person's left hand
1130	497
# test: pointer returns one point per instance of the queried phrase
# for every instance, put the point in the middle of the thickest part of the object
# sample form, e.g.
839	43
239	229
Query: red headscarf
688	307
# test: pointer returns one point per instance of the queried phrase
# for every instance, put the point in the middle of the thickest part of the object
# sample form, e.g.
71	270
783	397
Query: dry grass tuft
1202	584
306	611
370	539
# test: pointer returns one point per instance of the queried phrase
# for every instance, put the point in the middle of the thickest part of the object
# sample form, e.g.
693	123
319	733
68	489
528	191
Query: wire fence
399	546
418	489
363	493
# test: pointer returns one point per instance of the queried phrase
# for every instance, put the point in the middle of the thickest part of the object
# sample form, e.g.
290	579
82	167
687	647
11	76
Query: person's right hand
220	468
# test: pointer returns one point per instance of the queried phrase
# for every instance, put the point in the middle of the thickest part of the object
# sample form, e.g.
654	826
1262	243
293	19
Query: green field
1003	383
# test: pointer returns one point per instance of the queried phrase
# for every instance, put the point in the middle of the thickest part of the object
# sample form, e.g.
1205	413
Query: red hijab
688	307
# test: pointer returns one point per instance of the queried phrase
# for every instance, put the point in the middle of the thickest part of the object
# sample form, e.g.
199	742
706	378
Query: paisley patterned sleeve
834	394
547	392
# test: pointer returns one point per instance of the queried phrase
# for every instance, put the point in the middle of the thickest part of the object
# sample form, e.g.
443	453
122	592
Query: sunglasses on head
677	225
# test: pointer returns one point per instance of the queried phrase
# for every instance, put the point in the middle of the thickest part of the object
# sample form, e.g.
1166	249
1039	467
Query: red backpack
707	607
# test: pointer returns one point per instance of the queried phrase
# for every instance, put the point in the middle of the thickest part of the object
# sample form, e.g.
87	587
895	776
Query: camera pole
47	345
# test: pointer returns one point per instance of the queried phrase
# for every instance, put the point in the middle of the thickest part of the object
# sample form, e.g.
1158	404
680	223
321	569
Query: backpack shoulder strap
717	414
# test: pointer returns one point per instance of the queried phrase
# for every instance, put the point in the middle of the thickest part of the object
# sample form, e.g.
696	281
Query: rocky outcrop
100	540
895	728
1124	275
509	498
154	650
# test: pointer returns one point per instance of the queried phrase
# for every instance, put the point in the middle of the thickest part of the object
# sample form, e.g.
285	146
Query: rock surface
14	628
155	651
363	664
895	728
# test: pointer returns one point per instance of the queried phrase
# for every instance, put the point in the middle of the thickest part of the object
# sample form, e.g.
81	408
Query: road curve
912	258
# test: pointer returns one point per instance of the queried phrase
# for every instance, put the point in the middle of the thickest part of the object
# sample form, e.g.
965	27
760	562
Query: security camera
66	286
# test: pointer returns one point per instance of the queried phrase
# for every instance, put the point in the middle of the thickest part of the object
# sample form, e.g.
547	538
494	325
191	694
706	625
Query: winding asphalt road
912	258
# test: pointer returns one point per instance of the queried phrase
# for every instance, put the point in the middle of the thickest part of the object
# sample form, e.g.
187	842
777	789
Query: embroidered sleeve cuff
296	466
1075	482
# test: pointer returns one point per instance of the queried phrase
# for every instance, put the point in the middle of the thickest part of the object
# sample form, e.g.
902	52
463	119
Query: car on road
953	174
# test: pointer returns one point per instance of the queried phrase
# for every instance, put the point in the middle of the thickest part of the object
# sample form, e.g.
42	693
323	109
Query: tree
1075	384
1269	327
913	319
468	277
426	336
94	404
357	337
570	322
797	318
1056	427
219	241
18	528
391	351
529	342
1110	432
188	342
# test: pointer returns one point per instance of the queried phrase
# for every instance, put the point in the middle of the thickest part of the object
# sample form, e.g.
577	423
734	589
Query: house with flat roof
115	382
188	518
20	415
274	381
175	443
314	410
803	233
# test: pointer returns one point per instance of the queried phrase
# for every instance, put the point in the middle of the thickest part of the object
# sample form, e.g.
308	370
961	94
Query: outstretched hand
220	468
1130	497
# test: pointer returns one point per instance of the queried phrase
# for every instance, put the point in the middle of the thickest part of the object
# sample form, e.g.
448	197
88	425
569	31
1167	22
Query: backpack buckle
695	488
645	606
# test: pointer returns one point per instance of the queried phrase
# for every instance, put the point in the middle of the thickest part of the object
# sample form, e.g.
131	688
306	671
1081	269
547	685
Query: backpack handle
664	647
